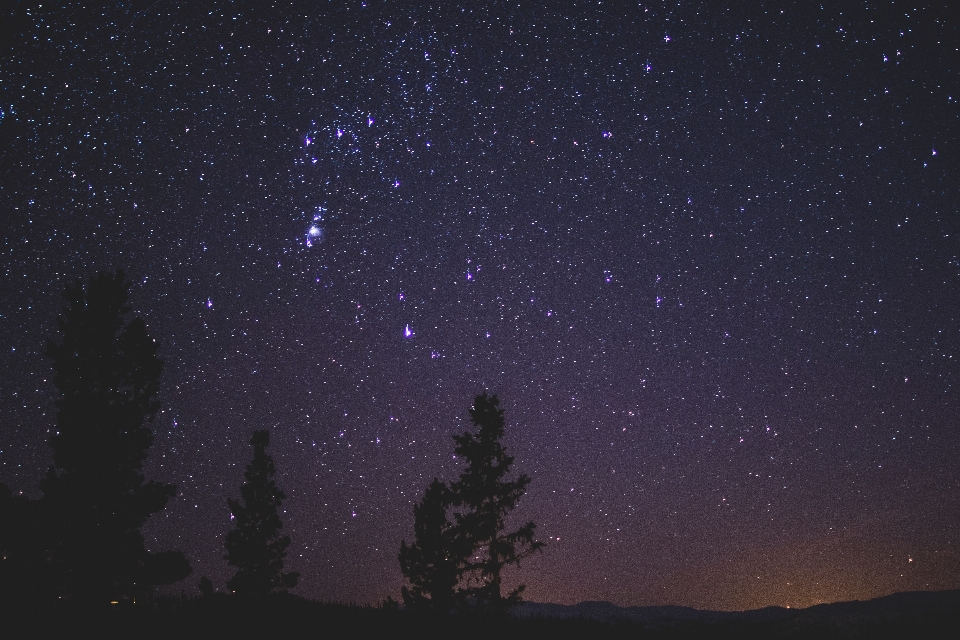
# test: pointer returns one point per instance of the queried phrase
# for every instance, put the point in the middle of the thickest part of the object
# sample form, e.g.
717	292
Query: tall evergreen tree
435	561
107	373
484	497
255	547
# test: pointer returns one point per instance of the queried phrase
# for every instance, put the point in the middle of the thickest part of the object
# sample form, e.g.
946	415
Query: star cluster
707	257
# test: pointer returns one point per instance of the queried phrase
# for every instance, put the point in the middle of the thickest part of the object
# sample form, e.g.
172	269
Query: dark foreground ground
281	617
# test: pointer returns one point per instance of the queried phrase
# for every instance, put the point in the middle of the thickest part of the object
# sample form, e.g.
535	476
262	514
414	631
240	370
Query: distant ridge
897	607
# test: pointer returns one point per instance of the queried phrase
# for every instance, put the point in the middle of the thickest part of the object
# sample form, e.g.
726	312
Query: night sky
709	260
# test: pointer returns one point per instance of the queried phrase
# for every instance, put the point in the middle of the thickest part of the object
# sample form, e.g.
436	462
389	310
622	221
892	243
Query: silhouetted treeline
79	546
73	563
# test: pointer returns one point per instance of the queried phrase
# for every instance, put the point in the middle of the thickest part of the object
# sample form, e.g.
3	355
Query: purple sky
707	258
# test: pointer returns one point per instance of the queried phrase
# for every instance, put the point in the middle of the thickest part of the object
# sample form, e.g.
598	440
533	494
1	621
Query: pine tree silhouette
255	547
96	499
454	562
436	559
484	498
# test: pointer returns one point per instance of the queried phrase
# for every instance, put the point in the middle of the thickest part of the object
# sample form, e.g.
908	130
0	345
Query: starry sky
707	257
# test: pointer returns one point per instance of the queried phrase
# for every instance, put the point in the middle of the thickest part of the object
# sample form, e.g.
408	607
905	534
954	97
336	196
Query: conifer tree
435	560
483	497
255	546
95	498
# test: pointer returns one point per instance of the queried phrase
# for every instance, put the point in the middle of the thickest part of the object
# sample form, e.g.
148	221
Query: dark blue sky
708	259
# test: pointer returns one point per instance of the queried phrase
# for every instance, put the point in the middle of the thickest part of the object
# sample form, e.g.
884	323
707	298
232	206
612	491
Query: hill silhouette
935	613
915	614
